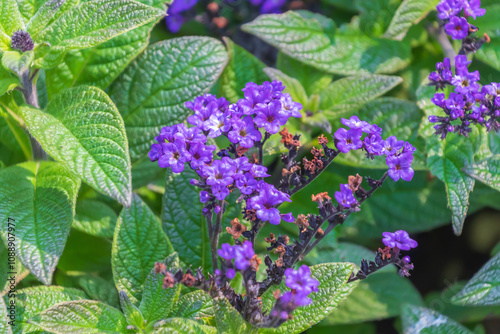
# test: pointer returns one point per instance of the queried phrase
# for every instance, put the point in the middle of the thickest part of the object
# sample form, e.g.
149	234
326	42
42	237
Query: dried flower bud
355	182
188	280
168	281
318	198
286	239
213	7
277	294
236	228
322	140
240	151
386	252
318	153
255	262
160	267
271	238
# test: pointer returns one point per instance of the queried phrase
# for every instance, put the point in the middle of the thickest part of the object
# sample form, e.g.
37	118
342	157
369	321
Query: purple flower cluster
399	154
468	104
269	6
241	254
345	197
455	14
263	107
175	19
399	239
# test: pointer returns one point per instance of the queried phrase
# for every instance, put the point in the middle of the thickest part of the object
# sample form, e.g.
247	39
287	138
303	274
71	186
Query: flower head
348	139
243	254
400	166
457	28
399	239
266	201
345	196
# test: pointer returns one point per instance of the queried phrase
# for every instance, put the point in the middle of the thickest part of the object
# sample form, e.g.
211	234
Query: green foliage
10	21
4	326
195	305
409	13
181	326
422	320
228	320
95	218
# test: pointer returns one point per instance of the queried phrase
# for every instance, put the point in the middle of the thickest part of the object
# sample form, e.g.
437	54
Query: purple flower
465	83
288	217
220	192
174	22
408	148
174	156
243	254
241	166
449	8
218	124
345	197
457	28
348	139
472	8
155	153
219	173
272	6
399	239
246	184
461	63
373	144
355	123
270	117
179	6
300	280
259	171
204	196
439	99
265	203
254	95
204	107
244	132
392	145
230	273
190	135
200	154
226	252
400	166
290	108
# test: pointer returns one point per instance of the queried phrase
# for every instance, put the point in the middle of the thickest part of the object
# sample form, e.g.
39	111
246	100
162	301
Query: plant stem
214	235
31	98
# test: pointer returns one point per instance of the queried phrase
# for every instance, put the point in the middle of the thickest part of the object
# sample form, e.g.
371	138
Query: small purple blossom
472	8
246	184
290	108
155	153
265	203
400	166
226	252
392	145
204	196
399	239
244	132
373	144
457	28
300	280
345	197
288	217
242	255
174	156
348	139
270	117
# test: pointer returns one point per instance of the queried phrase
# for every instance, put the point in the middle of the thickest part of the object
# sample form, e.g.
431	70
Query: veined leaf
44	14
16	62
83	129
40	198
332	290
408	13
95	218
195	306
132	314
228	320
28	8
292	85
4	318
343	53
153	89
423	320
10	21
81	316
32	301
6	270
7	81
181	326
98	288
138	243
182	220
486	171
157	302
483	288
243	67
351	93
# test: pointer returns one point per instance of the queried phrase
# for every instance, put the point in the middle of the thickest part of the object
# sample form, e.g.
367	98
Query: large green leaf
157	302
152	91
95	218
83	129
8	81
12	134
351	93
332	290
195	306
410	12
138	243
183	221
490	53
486	171
10	269
10	21
81	316
375	15
228	320
243	67
40	197
100	289
32	301
4	318
100	65
343	53
483	288
182	326
44	14
418	319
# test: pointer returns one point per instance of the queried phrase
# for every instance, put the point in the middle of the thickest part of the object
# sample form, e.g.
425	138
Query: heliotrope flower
266	201
244	132
226	252
243	254
174	156
392	145
246	184
457	28
345	197
399	239
270	117
348	139
400	166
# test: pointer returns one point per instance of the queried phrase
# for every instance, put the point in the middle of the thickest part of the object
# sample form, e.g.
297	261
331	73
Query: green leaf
410	12
380	296
486	171
6	270
348	5
182	326
375	15
16	62
138	243
145	172
157	302
423	320
81	316
4	318
132	314
292	85
483	288
332	290
7	81
40	197
46	13
343	53
243	67
10	22
83	129
195	306
228	320
99	289
490	53
488	23
95	218
100	66
182	220
97	21
12	135
31	301
351	93
152	91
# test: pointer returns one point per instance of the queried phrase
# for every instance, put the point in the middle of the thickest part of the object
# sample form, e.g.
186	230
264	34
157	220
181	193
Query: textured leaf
153	89
344	4
490	53
32	301
423	320
99	66
332	279
228	320
375	15
182	220
145	172
16	62
344	53
7	268
157	302
181	326
292	85
132	314
98	288
28	8
380	296
7	81
352	92
138	243
489	21
410	12
40	197
243	67
4	318
45	13
12	135
81	316
96	21
83	129
195	306
484	287
95	218
10	21
486	171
